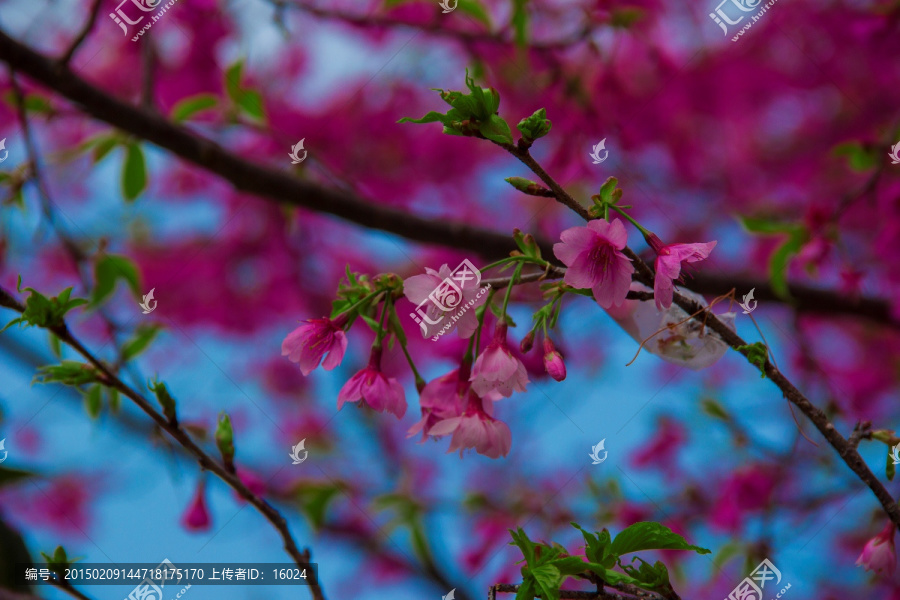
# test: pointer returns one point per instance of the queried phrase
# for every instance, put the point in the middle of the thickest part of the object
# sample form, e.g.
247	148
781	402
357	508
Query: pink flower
196	518
379	392
593	256
879	554
313	340
669	262
497	369
553	361
462	306
476	429
441	399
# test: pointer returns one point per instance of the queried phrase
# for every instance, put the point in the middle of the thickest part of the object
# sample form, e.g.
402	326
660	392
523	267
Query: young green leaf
93	401
103	146
535	126
108	269
142	338
164	398
496	130
41	311
526	186
134	172
757	354
225	439
250	101
519	21
69	372
188	107
648	535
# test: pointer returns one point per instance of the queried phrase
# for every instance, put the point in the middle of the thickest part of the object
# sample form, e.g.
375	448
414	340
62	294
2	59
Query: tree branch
282	188
175	430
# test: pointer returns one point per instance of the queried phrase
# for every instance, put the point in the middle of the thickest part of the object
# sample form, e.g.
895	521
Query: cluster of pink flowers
593	255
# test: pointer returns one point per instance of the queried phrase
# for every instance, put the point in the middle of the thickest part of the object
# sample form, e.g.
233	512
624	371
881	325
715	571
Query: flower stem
627	216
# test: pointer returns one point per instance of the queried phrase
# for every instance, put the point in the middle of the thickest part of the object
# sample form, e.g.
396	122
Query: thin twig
180	435
66	58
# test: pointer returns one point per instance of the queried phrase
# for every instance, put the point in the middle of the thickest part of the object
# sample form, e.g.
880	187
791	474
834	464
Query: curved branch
283	188
175	430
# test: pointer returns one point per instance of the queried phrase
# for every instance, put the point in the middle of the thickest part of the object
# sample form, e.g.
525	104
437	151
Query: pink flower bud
553	361
196	518
879	554
527	342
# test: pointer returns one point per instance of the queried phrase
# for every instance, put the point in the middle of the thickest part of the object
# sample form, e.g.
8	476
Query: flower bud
527	342
553	361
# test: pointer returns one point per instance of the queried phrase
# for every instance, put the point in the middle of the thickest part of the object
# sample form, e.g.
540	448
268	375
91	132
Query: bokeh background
791	125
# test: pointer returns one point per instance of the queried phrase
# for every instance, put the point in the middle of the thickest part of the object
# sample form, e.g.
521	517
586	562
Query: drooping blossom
496	369
594	260
252	481
475	428
553	361
196	517
310	342
460	299
670	259
382	393
879	553
440	399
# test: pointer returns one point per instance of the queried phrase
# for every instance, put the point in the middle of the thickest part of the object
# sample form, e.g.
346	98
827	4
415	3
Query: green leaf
55	345
108	269
647	535
41	311
598	547
225	437
474	9
496	130
548	578
112	396
757	354
655	577
315	500
519	21
93	402
714	409
860	157
431	117
164	398
891	468
250	101
233	80
188	107
764	225
625	17
69	372
526	589
142	338
134	172
520	539
103	146
535	126
778	263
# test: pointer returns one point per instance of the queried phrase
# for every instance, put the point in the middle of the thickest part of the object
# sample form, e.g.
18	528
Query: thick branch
280	187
